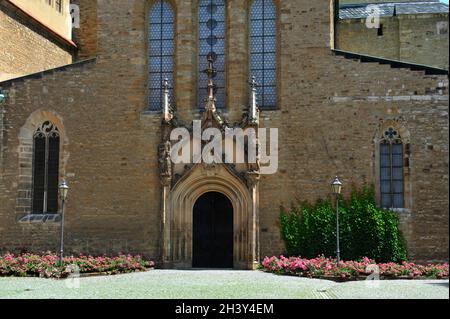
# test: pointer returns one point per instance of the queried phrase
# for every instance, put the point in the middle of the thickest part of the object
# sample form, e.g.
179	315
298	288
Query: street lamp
63	190
336	187
2	97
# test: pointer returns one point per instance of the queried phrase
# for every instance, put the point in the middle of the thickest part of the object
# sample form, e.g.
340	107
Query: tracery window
391	170
161	52
263	48
46	142
212	37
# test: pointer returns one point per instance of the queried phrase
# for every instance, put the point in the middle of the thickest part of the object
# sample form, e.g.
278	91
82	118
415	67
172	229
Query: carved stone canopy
211	118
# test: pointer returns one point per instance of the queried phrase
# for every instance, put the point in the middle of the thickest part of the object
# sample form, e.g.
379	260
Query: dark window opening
380	30
59	6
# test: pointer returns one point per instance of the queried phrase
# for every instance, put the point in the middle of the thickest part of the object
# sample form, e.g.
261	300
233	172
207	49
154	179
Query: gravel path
221	284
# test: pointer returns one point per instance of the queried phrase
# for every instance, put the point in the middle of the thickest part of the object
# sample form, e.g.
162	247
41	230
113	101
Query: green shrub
365	230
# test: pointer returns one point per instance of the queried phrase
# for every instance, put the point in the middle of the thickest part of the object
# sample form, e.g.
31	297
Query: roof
390	9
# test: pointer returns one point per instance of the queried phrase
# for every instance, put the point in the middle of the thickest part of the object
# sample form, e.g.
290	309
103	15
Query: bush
47	265
322	267
365	230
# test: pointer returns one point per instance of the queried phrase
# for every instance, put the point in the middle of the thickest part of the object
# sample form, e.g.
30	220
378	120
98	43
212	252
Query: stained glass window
161	52
45	169
263	44
212	40
391	170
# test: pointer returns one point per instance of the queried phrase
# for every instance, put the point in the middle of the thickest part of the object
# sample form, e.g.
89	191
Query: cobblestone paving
174	284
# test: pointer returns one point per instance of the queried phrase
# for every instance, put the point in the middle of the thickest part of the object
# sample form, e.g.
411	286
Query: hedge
365	230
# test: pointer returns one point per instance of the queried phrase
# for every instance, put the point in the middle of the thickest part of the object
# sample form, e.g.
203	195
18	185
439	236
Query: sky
444	1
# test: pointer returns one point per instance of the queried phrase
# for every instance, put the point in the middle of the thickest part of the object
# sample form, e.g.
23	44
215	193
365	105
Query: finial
166	104
211	72
253	101
253	83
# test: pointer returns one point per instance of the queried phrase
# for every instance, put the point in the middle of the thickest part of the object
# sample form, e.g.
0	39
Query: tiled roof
360	11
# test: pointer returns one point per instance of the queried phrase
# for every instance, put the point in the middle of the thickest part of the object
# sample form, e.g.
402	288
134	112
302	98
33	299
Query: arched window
263	49
161	52
45	169
212	40
391	170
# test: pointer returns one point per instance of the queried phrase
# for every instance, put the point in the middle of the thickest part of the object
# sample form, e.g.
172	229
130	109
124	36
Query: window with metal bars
45	169
391	170
212	37
263	49
161	52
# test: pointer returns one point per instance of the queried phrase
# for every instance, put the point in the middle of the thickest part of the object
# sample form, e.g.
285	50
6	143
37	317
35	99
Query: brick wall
421	39
86	35
330	111
25	48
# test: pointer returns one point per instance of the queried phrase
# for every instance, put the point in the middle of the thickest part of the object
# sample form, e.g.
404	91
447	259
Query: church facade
146	69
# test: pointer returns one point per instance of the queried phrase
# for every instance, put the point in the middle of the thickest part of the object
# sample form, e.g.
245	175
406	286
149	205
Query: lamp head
63	190
336	186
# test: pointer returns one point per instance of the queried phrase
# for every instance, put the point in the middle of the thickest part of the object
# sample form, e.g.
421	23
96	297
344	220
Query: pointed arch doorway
178	216
213	231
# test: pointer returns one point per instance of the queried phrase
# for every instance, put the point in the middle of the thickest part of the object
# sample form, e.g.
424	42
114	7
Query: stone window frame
24	198
277	5
148	6
407	158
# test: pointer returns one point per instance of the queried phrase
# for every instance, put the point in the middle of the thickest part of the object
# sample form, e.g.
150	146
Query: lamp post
63	190
336	187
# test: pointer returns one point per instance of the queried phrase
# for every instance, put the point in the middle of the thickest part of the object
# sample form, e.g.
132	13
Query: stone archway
178	216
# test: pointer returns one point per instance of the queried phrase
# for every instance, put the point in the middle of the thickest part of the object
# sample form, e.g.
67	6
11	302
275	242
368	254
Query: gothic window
263	48
212	40
161	52
391	170
45	169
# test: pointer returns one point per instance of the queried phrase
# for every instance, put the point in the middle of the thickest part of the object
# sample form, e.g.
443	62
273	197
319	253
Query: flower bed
322	267
47	265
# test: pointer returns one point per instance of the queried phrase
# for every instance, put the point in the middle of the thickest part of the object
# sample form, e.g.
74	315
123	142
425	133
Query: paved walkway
174	284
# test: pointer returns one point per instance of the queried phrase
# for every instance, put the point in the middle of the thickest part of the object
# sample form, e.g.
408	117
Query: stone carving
252	178
165	162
